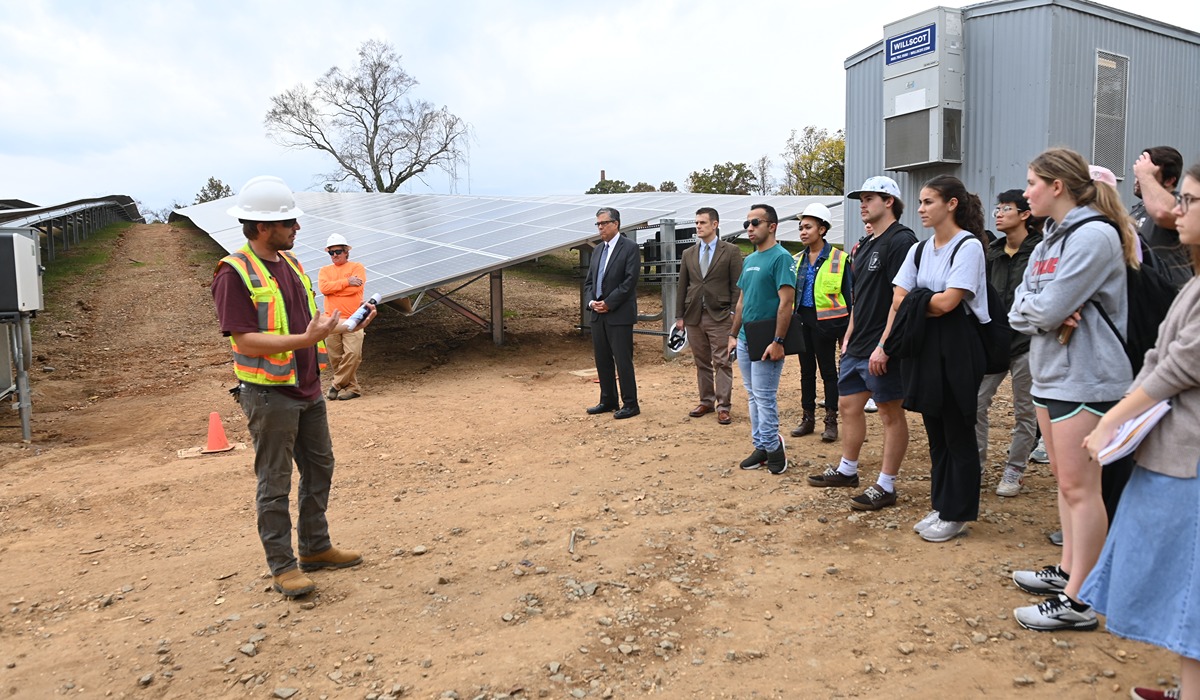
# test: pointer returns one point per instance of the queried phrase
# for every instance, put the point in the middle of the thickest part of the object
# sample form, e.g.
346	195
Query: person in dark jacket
1007	258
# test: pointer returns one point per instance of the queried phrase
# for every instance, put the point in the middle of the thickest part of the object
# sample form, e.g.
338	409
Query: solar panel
410	243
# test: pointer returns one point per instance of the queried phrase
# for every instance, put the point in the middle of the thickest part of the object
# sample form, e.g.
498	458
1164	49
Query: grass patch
83	259
559	269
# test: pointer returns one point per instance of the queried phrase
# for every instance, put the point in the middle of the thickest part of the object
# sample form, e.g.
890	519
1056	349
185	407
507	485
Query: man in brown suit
708	293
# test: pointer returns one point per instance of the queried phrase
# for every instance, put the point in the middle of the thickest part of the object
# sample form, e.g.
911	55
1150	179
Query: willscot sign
911	44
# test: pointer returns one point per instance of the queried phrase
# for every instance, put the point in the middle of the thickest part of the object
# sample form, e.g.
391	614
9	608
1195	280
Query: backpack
1148	298
996	334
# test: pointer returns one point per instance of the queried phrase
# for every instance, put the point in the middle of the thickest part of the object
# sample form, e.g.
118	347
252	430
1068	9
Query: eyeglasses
1005	209
339	251
600	224
754	223
1183	201
287	223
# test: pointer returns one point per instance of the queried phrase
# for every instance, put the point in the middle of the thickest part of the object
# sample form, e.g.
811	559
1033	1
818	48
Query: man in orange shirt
342	284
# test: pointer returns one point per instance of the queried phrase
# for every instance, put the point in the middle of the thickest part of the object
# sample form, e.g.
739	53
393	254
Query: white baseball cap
878	184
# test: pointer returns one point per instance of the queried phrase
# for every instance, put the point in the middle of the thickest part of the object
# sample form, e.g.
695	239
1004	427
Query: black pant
1112	482
613	347
954	478
819	351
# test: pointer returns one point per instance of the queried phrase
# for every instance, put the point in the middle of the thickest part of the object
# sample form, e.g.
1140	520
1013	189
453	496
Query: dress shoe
332	558
347	395
600	408
293	584
723	417
700	411
627	412
332	393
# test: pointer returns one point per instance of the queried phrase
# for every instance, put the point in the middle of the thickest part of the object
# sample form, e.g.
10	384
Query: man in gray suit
611	291
708	293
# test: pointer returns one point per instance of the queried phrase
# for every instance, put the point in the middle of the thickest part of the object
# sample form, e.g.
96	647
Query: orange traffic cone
217	442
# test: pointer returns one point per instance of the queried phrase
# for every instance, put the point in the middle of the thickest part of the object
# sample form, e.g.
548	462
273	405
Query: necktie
704	260
600	272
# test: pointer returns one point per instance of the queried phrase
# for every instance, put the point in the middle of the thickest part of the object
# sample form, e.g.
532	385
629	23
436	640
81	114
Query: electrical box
923	90
20	270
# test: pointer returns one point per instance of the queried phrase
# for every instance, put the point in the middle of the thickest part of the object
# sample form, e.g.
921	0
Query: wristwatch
777	339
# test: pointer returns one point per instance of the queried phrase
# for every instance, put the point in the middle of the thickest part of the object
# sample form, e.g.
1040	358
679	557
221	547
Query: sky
150	99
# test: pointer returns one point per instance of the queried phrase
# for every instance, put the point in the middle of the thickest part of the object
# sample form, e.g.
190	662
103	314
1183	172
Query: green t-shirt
763	273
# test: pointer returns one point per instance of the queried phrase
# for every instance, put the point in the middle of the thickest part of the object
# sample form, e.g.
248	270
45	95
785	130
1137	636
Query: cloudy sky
150	99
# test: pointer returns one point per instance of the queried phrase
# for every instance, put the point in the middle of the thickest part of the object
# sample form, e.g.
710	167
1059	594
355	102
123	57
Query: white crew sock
887	482
848	468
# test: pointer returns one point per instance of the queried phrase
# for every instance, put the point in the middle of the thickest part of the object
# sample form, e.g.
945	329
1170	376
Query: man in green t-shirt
768	284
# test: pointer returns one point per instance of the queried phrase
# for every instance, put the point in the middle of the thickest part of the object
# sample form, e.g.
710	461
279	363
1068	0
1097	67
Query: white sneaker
926	522
1055	614
943	530
1048	581
871	407
1011	483
1039	454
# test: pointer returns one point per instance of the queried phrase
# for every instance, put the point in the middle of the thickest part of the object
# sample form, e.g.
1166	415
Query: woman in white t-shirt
943	374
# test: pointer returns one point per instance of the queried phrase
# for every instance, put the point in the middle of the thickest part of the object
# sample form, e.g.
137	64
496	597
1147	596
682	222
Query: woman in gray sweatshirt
1078	365
1145	582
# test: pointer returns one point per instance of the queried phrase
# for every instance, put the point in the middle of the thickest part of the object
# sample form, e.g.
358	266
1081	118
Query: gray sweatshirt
1061	279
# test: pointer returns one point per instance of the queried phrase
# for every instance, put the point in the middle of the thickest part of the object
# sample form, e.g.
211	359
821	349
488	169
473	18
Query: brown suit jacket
716	293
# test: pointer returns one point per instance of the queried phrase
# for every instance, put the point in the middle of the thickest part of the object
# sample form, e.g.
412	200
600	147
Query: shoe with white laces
1039	454
870	407
874	498
1054	614
1155	694
1011	483
926	522
943	530
1048	581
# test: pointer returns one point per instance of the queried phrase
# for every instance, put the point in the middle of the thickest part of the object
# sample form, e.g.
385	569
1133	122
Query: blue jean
287	430
761	379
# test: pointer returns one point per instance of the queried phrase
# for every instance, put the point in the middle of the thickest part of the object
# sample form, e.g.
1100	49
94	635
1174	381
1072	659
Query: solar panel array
410	243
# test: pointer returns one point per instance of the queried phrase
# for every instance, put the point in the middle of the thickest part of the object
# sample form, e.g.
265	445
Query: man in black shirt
865	371
1157	171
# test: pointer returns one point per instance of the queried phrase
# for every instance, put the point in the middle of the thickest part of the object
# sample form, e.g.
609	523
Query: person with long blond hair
1075	277
1145	582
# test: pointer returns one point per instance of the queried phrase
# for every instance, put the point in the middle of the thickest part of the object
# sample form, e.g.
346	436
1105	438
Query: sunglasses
600	224
339	251
287	223
754	223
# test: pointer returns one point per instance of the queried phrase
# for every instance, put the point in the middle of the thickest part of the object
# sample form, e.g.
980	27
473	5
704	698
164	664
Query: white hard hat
336	239
677	340
818	211
265	198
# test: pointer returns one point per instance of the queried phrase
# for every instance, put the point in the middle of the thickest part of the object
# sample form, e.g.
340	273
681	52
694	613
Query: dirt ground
514	546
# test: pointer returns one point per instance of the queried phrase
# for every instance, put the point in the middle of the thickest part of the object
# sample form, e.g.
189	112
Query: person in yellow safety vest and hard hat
823	288
342	284
266	307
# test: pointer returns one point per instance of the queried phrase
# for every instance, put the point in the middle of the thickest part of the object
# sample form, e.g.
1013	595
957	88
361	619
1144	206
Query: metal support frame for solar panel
414	243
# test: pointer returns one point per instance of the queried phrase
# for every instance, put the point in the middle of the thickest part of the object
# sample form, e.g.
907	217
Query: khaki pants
345	355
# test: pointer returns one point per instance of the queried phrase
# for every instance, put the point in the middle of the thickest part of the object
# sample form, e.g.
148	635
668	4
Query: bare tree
365	119
762	171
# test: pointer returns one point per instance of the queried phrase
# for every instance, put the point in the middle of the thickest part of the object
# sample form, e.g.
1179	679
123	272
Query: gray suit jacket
716	293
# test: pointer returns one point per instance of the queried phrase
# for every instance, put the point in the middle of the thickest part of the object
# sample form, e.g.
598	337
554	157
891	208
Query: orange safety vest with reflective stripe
277	369
827	287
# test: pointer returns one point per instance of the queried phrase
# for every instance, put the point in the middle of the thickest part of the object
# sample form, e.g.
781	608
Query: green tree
213	190
642	187
730	178
365	119
668	186
609	187
814	162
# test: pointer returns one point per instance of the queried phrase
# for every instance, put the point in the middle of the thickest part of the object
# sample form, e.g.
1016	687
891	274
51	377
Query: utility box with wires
20	270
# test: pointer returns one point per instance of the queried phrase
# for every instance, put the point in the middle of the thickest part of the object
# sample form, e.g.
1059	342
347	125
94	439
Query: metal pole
24	353
670	280
497	283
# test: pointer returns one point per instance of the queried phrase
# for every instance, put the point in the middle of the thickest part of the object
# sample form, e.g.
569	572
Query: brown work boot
807	424
332	558
293	584
830	434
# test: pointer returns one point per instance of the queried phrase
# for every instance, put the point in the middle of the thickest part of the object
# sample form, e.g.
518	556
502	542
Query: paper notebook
1132	432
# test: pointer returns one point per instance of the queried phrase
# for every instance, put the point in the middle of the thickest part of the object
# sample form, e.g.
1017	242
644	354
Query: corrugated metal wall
1030	84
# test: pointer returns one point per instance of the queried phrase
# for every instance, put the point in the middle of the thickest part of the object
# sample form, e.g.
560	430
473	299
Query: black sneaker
832	477
757	459
777	462
874	498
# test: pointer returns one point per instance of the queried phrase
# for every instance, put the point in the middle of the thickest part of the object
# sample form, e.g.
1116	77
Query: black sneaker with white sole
756	460
1056	613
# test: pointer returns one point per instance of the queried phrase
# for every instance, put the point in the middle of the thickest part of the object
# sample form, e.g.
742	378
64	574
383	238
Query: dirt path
514	546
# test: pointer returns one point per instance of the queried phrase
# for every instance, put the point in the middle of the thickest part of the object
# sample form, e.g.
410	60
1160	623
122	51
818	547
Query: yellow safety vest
827	288
278	369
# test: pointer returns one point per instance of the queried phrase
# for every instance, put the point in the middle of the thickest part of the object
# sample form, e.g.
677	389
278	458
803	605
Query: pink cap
1102	174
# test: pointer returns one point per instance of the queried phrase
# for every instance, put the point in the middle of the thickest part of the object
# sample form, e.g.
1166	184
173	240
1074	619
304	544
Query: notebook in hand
1132	432
759	335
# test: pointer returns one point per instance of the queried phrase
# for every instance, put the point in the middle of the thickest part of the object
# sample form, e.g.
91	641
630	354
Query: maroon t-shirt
237	314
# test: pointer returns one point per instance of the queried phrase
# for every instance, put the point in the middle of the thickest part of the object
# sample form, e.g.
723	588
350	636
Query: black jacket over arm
939	351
